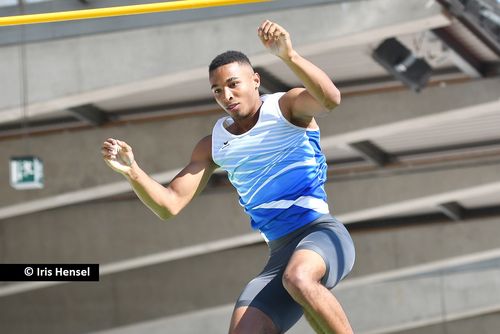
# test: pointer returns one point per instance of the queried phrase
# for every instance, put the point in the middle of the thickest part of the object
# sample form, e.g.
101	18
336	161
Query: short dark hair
229	57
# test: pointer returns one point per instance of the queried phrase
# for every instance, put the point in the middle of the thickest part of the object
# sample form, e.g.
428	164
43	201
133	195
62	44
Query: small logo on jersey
225	144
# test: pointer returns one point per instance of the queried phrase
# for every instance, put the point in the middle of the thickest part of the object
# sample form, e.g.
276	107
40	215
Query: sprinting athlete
269	147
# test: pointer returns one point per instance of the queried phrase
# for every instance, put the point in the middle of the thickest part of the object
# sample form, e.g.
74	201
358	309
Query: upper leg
321	259
251	320
266	295
325	255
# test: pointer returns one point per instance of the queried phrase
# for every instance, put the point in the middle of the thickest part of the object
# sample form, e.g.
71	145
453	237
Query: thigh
251	320
267	294
333	243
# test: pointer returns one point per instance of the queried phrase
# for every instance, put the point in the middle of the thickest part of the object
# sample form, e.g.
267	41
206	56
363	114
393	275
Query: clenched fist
118	155
276	39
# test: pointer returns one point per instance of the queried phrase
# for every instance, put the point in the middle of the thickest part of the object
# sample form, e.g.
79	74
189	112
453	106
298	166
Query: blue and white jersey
277	168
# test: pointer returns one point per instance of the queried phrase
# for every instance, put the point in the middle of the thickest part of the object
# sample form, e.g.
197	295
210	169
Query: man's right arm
168	201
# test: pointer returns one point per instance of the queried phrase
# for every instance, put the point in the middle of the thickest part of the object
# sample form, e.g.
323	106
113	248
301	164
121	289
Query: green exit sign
26	172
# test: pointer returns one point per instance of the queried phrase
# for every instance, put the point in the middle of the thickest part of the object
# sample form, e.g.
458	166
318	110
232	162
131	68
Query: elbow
332	101
165	214
165	217
168	208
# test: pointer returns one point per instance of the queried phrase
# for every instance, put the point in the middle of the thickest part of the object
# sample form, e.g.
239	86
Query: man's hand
276	39
118	155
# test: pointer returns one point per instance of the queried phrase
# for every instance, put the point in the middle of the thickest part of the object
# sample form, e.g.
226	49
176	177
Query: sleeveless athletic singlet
277	168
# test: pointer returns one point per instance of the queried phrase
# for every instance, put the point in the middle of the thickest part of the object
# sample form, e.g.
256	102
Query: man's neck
241	126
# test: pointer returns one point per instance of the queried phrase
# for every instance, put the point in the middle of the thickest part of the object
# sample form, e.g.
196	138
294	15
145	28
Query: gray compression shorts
325	236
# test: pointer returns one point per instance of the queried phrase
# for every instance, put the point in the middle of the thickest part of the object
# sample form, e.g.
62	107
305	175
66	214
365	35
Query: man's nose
228	94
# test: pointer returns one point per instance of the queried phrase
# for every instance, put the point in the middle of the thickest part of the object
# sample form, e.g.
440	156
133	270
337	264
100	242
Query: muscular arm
319	95
168	201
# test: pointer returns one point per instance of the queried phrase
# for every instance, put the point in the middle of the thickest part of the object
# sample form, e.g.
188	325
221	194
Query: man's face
235	88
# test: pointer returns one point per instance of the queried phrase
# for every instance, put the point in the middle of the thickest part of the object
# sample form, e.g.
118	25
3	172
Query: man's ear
256	80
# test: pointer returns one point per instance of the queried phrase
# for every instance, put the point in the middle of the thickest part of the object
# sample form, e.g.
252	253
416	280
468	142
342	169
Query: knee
297	281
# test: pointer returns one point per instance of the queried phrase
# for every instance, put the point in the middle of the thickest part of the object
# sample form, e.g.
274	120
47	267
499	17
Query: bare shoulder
288	104
287	100
203	150
205	142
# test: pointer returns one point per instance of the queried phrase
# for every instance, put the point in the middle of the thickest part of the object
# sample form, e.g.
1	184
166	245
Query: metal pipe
118	11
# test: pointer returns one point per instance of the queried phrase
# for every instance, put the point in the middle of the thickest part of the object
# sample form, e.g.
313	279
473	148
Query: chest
262	145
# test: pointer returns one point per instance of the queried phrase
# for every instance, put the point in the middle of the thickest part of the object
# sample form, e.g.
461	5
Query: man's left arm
319	95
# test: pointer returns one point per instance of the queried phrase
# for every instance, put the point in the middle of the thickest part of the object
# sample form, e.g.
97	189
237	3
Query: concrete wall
484	324
211	280
72	160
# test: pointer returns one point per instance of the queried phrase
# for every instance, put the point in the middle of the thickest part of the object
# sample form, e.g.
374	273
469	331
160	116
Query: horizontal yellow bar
119	11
